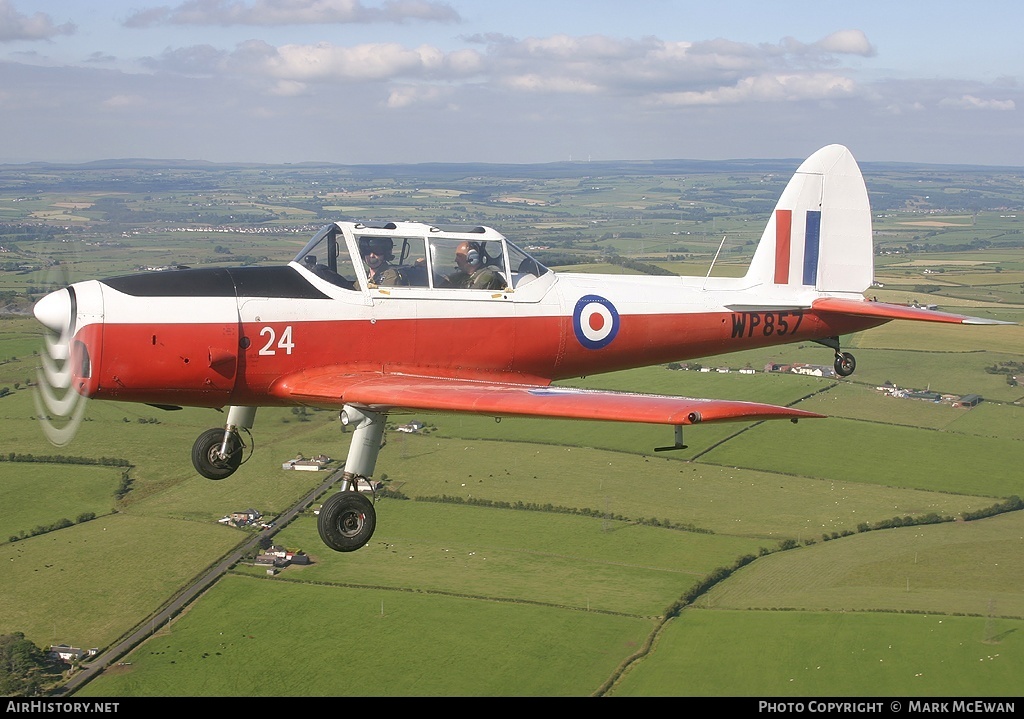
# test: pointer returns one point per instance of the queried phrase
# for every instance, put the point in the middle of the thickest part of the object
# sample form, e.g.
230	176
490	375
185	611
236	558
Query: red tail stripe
783	230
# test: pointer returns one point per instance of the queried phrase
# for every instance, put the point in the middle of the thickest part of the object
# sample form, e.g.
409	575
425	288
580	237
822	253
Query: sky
511	81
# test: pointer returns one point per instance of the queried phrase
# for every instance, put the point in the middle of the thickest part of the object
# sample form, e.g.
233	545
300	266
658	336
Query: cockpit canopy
416	255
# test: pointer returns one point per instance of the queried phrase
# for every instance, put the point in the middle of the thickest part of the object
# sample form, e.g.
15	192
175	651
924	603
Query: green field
974	568
567	594
366	642
815	654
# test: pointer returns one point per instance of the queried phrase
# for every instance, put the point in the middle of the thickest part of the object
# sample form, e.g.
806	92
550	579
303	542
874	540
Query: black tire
347	521
206	454
845	364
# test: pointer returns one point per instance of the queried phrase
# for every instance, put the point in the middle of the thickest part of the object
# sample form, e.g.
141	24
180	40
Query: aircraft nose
55	310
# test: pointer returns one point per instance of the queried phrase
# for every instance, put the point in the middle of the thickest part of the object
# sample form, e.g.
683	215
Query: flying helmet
381	246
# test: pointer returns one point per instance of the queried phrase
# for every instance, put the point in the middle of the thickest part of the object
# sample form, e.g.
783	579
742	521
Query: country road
146	629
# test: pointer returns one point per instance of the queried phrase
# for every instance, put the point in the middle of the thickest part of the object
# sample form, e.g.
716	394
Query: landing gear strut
217	453
347	519
844	363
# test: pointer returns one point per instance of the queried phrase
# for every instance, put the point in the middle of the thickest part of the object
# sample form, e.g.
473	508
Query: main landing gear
347	519
217	452
845	363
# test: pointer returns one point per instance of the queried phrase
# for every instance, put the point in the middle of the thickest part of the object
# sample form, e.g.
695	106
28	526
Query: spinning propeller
59	406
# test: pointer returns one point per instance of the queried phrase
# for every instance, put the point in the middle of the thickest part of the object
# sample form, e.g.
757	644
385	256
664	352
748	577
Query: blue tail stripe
812	237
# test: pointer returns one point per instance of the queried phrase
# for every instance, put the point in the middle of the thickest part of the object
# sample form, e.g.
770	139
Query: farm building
314	464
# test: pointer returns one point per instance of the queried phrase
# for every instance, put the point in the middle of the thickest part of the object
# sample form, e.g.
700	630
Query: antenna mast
720	246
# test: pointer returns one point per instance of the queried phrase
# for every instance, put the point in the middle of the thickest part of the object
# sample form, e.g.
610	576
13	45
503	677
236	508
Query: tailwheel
346	521
845	364
207	457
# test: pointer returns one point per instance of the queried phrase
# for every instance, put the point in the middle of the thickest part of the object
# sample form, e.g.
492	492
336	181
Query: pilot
377	255
473	272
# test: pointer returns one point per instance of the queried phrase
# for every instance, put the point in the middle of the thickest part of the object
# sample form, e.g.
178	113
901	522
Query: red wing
864	308
397	391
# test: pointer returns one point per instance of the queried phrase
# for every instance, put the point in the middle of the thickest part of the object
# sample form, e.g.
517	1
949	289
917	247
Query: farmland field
414	645
830	654
535	557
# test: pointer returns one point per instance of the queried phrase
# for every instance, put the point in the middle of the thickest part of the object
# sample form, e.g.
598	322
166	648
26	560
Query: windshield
524	267
327	256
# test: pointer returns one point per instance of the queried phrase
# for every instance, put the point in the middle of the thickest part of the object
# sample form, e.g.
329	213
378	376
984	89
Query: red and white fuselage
319	333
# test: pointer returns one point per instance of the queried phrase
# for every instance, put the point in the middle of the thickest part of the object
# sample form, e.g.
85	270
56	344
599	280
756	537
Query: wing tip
985	321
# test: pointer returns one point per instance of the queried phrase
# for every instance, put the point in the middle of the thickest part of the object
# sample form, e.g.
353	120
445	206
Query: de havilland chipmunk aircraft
410	317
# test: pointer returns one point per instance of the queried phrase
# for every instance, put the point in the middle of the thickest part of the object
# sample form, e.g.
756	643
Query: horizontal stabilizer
866	308
385	392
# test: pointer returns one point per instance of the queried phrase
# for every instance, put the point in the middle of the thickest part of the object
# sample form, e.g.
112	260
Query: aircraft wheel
845	364
206	454
347	521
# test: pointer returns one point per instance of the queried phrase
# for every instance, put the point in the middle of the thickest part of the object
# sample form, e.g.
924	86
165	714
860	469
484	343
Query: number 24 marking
285	343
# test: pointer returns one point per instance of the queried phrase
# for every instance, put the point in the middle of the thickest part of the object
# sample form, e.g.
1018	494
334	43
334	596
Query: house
244	518
70	654
309	465
279	557
814	370
412	427
970	400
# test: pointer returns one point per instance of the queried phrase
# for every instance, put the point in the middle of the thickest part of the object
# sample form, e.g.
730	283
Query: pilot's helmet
380	246
469	255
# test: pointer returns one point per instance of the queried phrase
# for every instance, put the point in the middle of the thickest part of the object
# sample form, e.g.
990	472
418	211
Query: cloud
120	102
323	63
646	70
766	88
18	26
410	95
970	102
847	42
705	71
289	88
100	57
292	12
193	60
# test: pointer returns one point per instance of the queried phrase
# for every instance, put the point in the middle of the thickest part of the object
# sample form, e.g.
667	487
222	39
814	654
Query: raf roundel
595	322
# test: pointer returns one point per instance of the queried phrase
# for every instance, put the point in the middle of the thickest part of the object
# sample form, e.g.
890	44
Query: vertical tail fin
819	235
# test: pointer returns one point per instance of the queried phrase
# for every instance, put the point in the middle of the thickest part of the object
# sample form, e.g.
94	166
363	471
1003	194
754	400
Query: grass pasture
830	654
725	499
36	494
371	643
89	584
972	568
871	453
511	555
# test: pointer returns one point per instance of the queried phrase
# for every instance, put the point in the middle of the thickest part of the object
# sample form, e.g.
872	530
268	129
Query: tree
21	665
